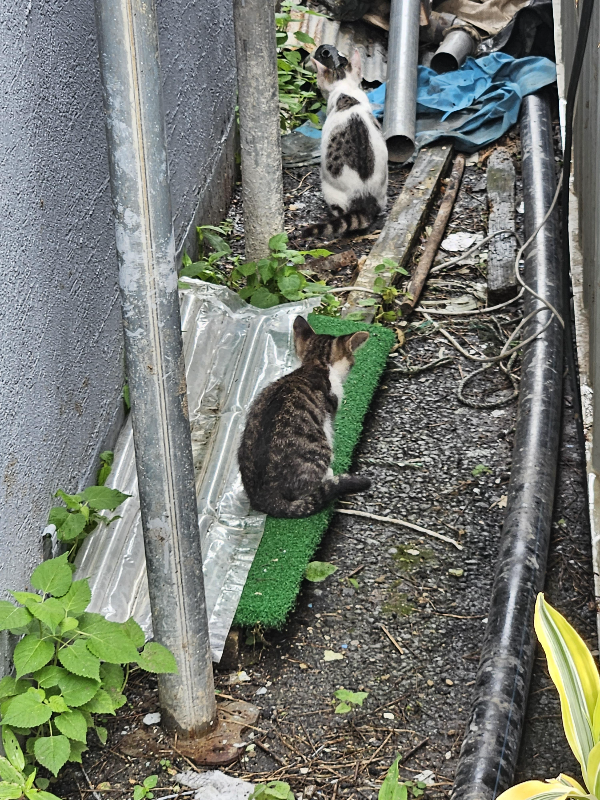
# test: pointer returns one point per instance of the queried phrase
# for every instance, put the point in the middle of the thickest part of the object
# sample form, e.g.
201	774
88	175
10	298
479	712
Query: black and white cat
287	446
354	156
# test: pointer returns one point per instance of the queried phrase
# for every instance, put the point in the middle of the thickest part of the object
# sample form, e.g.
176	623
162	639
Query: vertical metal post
260	137
400	111
129	62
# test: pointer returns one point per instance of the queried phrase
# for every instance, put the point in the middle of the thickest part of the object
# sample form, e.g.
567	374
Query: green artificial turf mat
287	545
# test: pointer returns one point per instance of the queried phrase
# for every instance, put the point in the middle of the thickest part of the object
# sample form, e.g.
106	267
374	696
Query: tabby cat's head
328	76
333	351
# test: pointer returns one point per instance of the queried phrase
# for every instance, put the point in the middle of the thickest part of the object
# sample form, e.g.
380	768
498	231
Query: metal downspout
490	749
130	69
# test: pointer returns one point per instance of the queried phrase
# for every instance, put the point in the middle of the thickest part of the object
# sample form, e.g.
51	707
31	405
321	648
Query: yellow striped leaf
558	789
575	675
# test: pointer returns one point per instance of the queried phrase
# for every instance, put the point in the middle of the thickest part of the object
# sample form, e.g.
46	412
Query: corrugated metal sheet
584	234
346	37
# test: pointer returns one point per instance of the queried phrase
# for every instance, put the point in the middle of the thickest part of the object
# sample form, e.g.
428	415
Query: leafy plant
384	285
274	790
479	470
106	461
144	790
82	512
575	675
393	788
277	279
317	571
18	779
298	100
68	663
349	700
210	237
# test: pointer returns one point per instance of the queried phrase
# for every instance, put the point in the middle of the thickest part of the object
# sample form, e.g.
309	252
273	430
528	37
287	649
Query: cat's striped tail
326	493
362	212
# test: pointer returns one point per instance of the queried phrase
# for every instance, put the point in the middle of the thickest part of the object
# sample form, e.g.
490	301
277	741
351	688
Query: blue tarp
473	106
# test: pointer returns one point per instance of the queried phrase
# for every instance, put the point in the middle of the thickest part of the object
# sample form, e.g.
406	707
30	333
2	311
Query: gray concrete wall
61	367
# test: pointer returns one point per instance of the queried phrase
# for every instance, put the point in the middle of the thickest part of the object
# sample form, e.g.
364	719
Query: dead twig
414	750
392	640
270	753
403	523
89	783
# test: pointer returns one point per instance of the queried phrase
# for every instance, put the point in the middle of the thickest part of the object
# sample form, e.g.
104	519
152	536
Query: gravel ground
404	614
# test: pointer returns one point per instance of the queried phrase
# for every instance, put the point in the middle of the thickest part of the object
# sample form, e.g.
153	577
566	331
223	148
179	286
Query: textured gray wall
60	329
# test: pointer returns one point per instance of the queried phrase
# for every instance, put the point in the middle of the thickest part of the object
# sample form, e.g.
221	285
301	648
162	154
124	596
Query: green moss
288	545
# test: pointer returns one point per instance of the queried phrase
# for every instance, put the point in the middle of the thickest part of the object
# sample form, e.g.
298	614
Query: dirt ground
405	613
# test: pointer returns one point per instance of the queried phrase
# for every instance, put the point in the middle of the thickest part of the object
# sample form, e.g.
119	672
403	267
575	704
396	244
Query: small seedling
207	267
386	276
106	461
349	700
480	470
165	763
274	790
144	790
394	789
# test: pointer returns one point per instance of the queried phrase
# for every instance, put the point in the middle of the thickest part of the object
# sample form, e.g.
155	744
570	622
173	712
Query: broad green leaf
156	658
77	748
49	676
69	624
279	241
247	269
72	526
32	653
10	791
317	571
102	733
39	794
112	676
78	598
391	789
107	640
216	242
53	576
77	690
12	748
356	698
78	659
27	710
9	686
58	516
135	633
72	724
72	501
304	37
52	752
558	789
151	781
42	783
100	703
57	704
575	675
139	792
12	616
266	269
51	612
342	708
101	497
263	298
26	598
290	284
9	773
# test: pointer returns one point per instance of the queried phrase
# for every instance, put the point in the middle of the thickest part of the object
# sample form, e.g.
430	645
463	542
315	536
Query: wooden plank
404	223
502	283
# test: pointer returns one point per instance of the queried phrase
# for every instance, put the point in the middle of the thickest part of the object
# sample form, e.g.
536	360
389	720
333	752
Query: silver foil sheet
232	351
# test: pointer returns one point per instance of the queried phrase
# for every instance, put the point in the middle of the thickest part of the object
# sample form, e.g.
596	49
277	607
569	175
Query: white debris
152	719
427	777
262	690
461	241
215	785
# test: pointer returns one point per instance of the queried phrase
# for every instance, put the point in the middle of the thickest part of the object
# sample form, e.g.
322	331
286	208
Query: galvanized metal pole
400	112
260	137
129	62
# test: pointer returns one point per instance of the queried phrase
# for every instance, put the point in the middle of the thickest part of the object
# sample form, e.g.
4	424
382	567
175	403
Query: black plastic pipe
491	746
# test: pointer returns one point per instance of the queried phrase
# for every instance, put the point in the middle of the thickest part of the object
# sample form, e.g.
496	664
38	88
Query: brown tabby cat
287	446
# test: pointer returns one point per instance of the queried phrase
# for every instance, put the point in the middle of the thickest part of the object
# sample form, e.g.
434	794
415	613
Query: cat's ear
357	339
302	333
356	66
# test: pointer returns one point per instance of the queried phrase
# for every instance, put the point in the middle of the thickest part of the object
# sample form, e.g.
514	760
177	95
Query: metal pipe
400	112
489	751
139	176
453	51
260	136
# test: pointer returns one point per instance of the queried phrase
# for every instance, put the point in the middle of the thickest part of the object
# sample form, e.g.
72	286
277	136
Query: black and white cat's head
336	352
348	73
